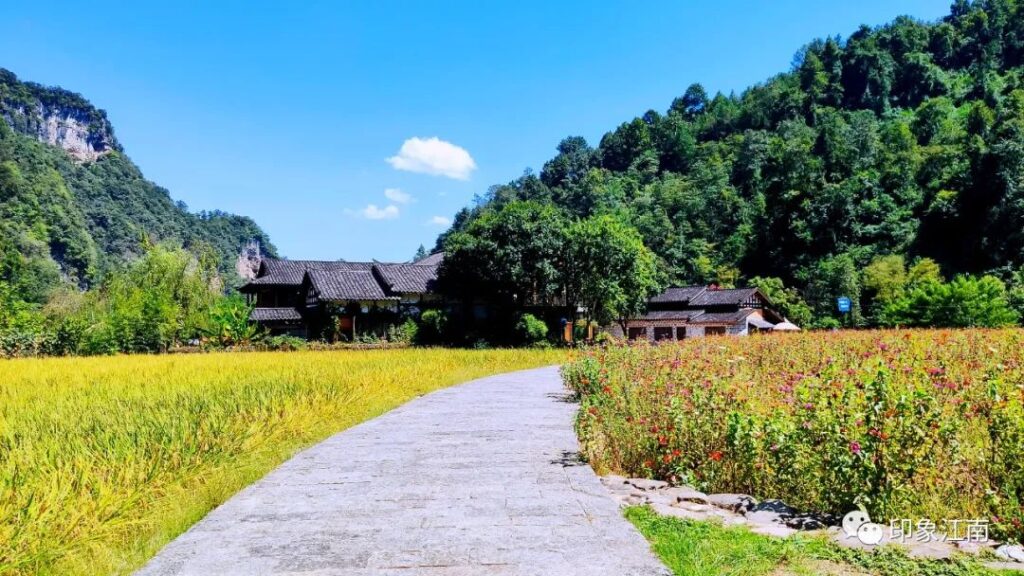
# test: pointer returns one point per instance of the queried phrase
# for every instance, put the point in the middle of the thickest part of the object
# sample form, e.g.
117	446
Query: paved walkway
481	478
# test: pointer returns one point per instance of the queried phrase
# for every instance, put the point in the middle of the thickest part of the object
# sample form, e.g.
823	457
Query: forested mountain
72	205
897	145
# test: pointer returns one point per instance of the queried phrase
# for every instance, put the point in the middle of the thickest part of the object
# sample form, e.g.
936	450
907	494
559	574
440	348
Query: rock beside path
777	519
1008	552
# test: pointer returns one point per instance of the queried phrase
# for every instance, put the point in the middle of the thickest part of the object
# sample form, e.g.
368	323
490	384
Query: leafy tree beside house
511	254
608	270
786	301
524	253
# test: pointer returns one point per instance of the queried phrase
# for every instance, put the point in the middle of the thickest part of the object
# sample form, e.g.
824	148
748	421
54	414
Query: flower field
908	424
103	460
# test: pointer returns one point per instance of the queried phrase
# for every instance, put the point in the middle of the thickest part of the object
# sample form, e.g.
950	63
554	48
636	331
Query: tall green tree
512	254
608	270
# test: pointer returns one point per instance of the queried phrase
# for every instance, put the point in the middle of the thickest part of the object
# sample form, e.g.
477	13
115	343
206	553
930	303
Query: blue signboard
843	303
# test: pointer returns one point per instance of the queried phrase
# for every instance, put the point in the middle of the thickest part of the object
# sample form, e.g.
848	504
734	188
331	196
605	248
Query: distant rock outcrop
57	117
249	259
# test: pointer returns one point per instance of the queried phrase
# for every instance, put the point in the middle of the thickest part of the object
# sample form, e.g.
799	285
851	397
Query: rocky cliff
57	117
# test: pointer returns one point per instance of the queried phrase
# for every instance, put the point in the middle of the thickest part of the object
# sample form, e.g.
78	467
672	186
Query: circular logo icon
853	521
870	533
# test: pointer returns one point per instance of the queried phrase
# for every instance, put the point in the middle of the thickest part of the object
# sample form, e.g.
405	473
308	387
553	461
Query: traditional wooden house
692	311
339	300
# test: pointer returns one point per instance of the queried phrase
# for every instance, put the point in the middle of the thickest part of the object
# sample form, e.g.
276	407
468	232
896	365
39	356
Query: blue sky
290	116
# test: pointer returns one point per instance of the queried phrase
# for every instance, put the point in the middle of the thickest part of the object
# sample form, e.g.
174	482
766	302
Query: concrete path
481	479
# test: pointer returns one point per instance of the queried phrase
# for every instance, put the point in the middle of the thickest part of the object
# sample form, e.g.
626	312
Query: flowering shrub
907	424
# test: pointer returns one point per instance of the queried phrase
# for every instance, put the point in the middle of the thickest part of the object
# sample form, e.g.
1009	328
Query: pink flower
855	447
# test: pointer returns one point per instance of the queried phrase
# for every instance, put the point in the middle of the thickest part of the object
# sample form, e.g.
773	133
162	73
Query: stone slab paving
481	478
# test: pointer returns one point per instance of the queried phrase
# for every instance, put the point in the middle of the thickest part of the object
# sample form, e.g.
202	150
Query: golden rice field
103	460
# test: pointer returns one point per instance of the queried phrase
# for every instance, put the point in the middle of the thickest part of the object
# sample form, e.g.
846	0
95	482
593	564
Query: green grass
692	548
104	460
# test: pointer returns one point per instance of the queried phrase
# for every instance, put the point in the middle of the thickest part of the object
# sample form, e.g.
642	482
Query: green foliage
511	253
159	300
421	253
831	278
608	270
285	342
886	277
167	297
530	329
433	327
20	324
786	301
525	253
902	141
962	302
228	323
405	333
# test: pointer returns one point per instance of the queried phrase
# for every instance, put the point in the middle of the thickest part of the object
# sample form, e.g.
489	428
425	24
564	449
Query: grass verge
104	460
692	548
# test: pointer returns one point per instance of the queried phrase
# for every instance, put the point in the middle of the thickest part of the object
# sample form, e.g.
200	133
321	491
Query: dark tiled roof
274	314
276	272
703	296
678	295
350	284
725	318
431	260
407	278
733	296
682	315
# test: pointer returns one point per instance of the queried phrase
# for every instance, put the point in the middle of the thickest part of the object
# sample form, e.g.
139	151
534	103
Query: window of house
714	331
663	333
681	333
637	333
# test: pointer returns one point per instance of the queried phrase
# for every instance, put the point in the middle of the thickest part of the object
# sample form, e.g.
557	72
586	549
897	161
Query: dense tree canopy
905	140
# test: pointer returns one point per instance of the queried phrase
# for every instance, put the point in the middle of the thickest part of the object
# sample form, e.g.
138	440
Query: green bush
963	301
433	326
286	342
530	329
404	333
228	323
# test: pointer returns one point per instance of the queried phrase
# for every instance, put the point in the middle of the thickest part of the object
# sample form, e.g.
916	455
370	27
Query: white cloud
396	195
372	212
439	221
433	156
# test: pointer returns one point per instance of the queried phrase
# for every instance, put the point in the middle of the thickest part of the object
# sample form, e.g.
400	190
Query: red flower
715	455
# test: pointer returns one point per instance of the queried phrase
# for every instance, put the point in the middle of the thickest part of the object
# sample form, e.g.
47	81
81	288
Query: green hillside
73	206
895	146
